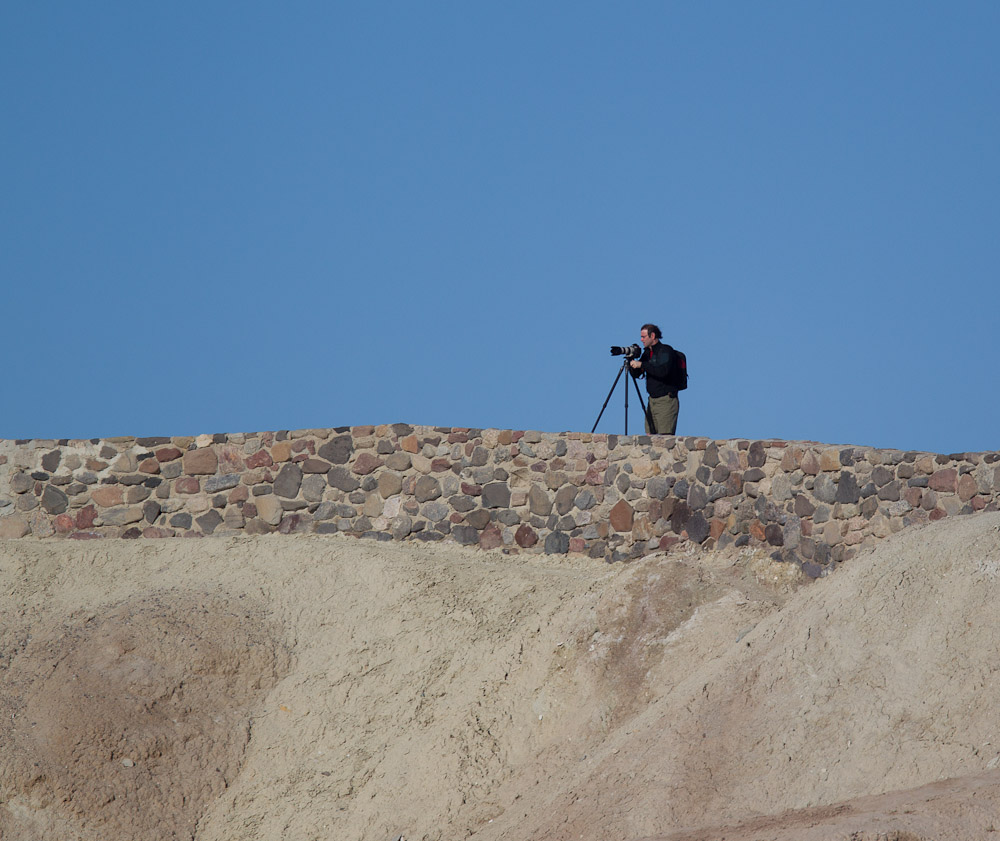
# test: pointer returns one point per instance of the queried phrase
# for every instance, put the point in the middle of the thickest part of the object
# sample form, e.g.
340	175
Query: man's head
649	335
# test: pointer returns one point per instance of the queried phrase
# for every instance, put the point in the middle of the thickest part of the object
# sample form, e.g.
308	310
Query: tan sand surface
305	687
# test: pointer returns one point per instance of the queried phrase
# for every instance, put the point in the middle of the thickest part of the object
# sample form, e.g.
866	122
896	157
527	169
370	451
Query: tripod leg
647	411
608	398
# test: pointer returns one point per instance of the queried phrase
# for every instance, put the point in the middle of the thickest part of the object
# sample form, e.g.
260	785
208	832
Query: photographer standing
657	363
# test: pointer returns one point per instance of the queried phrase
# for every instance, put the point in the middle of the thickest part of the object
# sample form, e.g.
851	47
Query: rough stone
426	489
496	495
200	462
288	481
338	450
556	543
341	479
622	516
54	501
366	463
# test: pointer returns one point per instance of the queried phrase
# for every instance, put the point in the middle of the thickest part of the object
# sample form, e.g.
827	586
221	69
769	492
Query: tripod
648	415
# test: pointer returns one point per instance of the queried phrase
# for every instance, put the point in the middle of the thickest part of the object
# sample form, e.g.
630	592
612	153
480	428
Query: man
657	363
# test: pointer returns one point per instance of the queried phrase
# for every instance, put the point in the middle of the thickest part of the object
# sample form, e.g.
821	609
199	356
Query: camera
630	352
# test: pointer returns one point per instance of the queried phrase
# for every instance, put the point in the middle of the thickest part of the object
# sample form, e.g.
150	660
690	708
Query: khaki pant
664	411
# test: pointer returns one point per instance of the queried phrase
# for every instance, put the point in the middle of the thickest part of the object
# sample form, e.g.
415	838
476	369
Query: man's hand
635	363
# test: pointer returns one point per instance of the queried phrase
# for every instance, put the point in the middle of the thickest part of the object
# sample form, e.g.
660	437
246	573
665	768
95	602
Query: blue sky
230	217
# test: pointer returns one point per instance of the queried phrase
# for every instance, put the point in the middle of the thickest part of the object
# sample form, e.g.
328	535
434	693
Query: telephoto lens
630	352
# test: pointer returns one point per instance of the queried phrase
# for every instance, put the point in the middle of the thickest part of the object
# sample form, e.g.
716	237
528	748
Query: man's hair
653	330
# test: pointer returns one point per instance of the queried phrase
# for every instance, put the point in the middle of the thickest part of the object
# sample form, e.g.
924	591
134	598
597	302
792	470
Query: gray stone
538	501
313	487
847	488
509	517
435	511
54	501
21	482
398	461
781	487
337	451
426	489
697	497
585	500
325	511
496	495
462	503
890	491
697	527
657	487
214	484
342	479
565	497
288	481
825	489
556	543
466	535
209	521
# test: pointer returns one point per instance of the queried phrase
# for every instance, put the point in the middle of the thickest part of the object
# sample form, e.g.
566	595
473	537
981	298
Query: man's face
647	339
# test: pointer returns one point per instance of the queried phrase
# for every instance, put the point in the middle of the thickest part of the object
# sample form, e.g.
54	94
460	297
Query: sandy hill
303	687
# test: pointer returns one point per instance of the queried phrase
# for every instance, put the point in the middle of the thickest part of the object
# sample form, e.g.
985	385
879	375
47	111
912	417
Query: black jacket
658	366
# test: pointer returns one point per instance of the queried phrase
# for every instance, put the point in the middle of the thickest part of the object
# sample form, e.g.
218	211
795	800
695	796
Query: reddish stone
978	503
230	459
577	544
757	530
491	538
810	463
409	444
149	465
457	437
366	463
716	528
472	490
967	487
64	524
203	462
513	436
668	540
316	465
241	493
806	527
538	467
168	454
456	518
525	536
944	480
154	531
912	496
250	510
96	465
261	458
622	516
85	517
304	445
86	535
938	514
440	465
187	485
595	475
289	524
107	496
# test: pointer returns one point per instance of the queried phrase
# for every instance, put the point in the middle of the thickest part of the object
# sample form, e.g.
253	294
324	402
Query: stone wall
606	496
